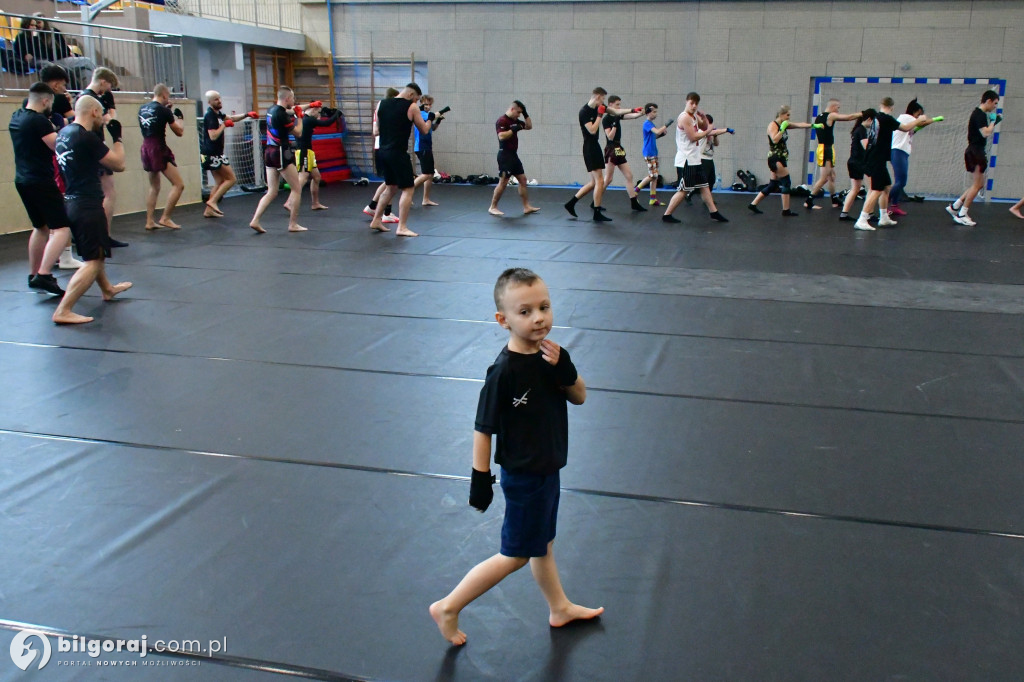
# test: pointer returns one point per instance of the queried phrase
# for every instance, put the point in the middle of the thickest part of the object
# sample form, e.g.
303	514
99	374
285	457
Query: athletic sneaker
389	219
862	224
896	210
951	211
47	283
964	220
368	211
886	221
67	261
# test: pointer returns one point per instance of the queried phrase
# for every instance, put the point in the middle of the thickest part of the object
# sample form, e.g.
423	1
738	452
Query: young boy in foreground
523	403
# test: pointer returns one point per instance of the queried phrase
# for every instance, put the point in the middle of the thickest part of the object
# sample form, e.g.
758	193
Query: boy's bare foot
405	232
169	224
297	228
494	211
152	226
571	613
256	226
319	207
428	202
530	209
115	289
379	228
211	207
72	318
1016	211
448	624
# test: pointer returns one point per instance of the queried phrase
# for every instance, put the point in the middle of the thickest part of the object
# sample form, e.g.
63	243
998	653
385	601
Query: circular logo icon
23	654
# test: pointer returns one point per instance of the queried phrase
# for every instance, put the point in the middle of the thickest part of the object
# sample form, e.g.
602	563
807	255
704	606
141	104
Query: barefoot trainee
509	165
523	401
157	158
81	154
212	156
279	158
315	116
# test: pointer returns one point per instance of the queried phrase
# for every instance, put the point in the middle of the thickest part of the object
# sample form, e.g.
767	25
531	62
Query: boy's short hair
649	107
106	75
614	98
693	97
989	95
599	91
53	72
888	101
512	277
426	99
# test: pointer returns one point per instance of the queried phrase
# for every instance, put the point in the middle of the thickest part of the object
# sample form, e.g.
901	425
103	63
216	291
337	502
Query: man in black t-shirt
980	127
284	119
615	153
101	88
315	116
825	154
509	165
63	111
590	125
211	151
879	147
395	119
33	139
157	158
81	154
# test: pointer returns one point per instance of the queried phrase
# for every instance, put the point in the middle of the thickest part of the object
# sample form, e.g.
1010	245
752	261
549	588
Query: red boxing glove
601	109
228	123
253	114
298	111
315	104
637	110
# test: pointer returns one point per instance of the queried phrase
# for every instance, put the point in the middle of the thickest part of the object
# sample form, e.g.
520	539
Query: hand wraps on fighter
565	371
480	491
114	128
522	107
178	115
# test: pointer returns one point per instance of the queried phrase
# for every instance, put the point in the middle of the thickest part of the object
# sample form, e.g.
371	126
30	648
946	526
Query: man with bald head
81	155
211	149
155	117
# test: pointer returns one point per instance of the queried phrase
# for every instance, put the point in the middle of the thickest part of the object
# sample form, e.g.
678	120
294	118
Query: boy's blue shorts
531	508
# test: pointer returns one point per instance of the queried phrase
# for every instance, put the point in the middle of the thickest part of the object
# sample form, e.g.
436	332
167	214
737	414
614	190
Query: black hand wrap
516	127
522	107
480	491
431	116
114	128
178	114
565	371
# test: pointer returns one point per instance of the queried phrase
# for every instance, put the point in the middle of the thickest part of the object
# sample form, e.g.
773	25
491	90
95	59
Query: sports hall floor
800	457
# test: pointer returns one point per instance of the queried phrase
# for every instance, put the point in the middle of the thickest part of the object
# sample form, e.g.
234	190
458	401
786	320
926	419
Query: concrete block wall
745	58
132	185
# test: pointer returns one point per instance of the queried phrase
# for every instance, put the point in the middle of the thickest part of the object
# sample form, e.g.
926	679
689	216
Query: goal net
936	160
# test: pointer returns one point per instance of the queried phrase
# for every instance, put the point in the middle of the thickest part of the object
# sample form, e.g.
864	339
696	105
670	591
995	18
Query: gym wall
745	58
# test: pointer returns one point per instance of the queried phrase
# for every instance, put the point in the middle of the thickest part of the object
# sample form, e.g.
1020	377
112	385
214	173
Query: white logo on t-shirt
516	402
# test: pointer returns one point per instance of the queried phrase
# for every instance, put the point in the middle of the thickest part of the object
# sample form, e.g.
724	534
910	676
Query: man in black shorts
101	88
283	119
62	112
879	147
590	125
211	150
980	127
33	139
615	153
395	119
157	158
509	165
81	153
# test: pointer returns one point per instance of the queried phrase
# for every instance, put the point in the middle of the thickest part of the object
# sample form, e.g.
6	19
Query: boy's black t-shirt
33	160
522	405
588	114
881	148
978	120
856	148
612	121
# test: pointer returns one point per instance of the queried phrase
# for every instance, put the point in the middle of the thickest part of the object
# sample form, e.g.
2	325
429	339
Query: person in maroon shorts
157	158
980	127
509	165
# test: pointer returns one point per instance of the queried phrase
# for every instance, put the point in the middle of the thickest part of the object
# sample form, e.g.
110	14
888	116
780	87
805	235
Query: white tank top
687	151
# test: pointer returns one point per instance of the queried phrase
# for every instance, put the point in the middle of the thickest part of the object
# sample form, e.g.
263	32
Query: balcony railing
285	15
141	59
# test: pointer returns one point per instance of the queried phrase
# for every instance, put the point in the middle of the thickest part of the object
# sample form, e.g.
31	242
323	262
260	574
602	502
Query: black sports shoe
634	204
600	217
754	208
789	214
47	283
570	206
669	218
114	243
719	217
